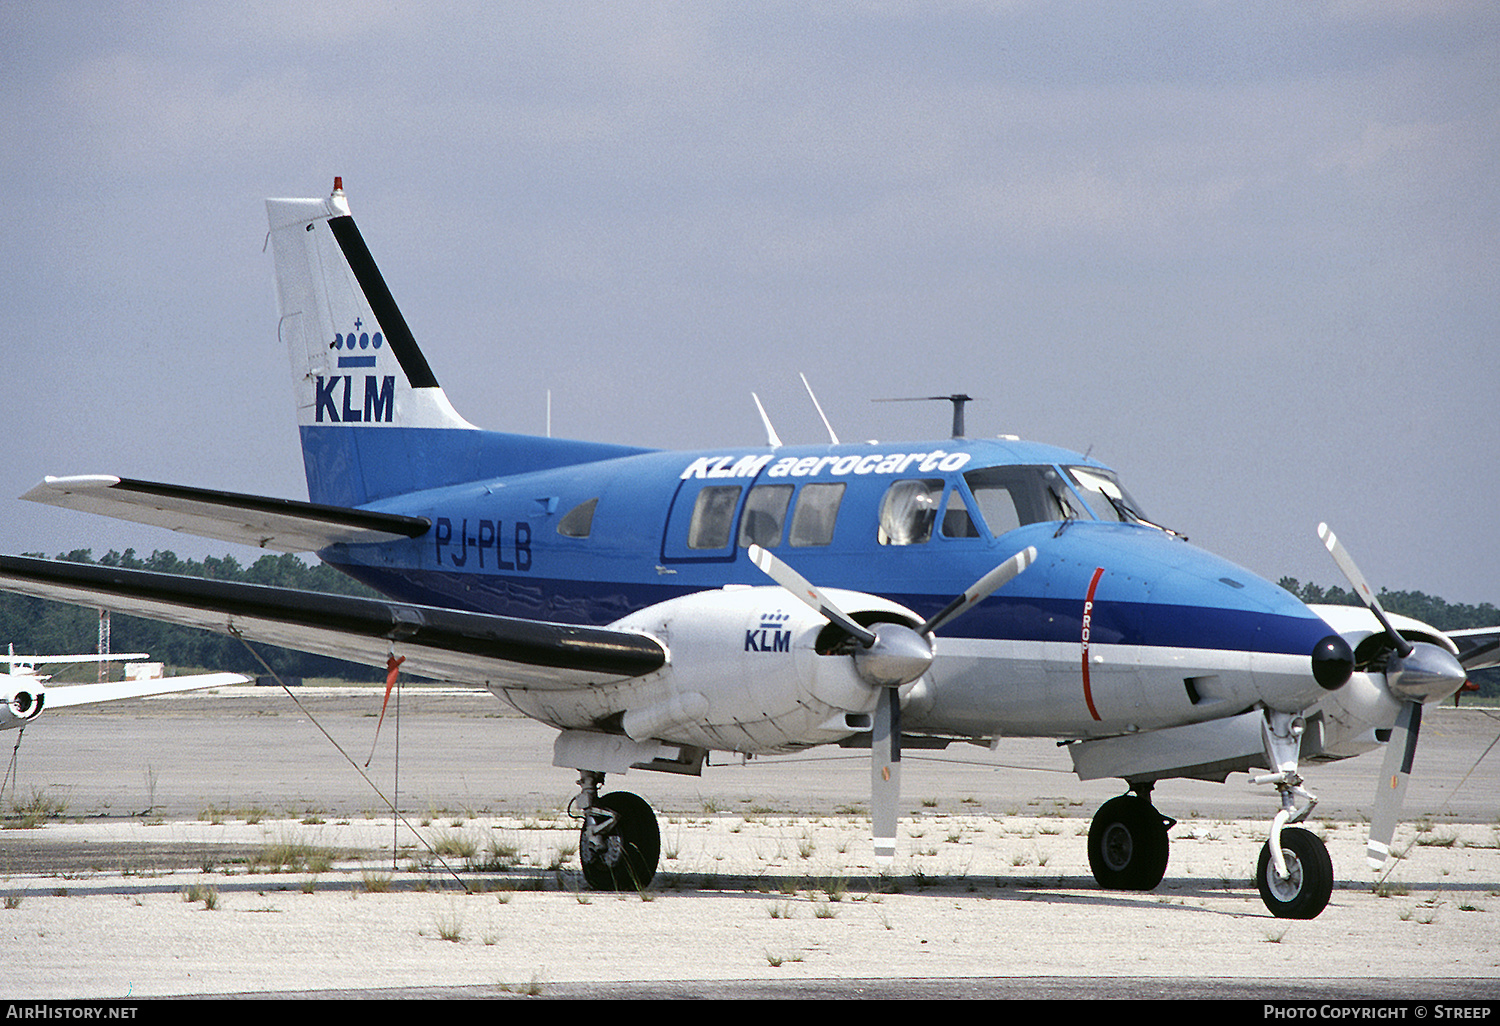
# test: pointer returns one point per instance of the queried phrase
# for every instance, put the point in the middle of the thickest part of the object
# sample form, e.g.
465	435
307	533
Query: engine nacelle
749	669
1350	716
21	706
1358	626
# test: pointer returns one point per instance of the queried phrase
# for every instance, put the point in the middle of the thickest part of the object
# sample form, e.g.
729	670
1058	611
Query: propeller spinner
1415	672
887	656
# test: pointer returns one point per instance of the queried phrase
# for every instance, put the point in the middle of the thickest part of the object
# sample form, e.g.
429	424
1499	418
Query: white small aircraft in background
24	691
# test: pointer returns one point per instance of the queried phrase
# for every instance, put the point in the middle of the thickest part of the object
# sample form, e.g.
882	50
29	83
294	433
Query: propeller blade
809	593
981	589
1362	587
891	655
1395	772
1414	674
885	774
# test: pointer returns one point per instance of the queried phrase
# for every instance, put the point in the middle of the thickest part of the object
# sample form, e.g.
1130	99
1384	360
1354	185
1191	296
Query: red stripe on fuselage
1088	615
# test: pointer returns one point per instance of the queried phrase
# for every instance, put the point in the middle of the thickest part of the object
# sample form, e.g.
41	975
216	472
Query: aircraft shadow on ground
1183	894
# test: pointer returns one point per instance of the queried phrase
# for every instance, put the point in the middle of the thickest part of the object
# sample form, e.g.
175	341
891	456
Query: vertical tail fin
373	419
360	378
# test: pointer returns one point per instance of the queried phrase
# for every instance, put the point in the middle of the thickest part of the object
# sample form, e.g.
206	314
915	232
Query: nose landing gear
1302	887
1294	874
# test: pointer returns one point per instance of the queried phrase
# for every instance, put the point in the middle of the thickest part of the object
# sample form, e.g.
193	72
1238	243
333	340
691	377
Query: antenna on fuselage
819	407
772	438
958	399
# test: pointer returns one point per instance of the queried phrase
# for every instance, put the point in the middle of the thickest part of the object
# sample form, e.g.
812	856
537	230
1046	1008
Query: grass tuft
36	810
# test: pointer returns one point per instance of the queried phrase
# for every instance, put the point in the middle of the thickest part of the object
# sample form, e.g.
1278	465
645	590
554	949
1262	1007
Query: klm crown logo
357	339
770	637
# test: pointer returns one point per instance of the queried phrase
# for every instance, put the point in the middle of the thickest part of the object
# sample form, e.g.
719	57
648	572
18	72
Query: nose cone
1160	591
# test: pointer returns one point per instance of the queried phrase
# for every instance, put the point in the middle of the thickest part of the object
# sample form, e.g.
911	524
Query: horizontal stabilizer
447	644
283	525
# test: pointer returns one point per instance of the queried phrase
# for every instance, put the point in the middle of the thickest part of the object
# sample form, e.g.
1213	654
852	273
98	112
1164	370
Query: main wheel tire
1309	884
1128	845
624	856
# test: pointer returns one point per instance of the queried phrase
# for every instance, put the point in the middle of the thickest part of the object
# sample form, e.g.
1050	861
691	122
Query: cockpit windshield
1013	496
1107	498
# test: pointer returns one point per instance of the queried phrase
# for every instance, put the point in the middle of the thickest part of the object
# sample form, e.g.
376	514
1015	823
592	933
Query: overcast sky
1246	254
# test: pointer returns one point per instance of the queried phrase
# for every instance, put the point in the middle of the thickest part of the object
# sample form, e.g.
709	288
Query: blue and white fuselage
1119	626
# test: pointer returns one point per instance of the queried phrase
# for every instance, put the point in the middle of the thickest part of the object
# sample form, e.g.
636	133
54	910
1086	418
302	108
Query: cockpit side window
713	517
1010	497
908	511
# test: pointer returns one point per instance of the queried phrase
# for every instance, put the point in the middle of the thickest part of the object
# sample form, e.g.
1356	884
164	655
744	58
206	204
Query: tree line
35	626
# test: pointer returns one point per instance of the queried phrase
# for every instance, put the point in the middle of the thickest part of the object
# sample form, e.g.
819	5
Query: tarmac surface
220	845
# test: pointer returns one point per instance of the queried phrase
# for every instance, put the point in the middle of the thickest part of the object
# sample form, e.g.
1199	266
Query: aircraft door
701	523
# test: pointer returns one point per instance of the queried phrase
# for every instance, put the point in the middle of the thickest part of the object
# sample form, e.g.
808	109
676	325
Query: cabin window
713	517
816	513
908	511
578	521
764	516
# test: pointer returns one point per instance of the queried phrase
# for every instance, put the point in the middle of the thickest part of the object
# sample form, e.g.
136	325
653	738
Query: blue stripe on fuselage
1000	617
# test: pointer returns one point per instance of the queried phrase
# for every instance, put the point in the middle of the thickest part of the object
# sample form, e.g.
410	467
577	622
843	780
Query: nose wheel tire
1128	844
620	843
1309	883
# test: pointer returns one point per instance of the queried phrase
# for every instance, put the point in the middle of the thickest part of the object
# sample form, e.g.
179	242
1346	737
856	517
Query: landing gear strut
1294	874
1128	843
619	844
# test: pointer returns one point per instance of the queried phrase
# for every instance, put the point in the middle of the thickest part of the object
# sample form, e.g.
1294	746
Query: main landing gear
619	844
1128	843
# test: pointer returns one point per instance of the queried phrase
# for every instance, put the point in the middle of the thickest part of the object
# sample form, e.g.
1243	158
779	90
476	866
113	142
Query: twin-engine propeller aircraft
658	606
25	692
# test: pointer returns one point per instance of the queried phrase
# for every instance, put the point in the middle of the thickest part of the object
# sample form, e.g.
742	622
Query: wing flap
283	525
447	644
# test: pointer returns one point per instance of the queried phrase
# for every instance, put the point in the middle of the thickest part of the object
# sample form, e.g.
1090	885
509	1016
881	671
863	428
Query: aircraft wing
1478	648
284	525
62	696
448	644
